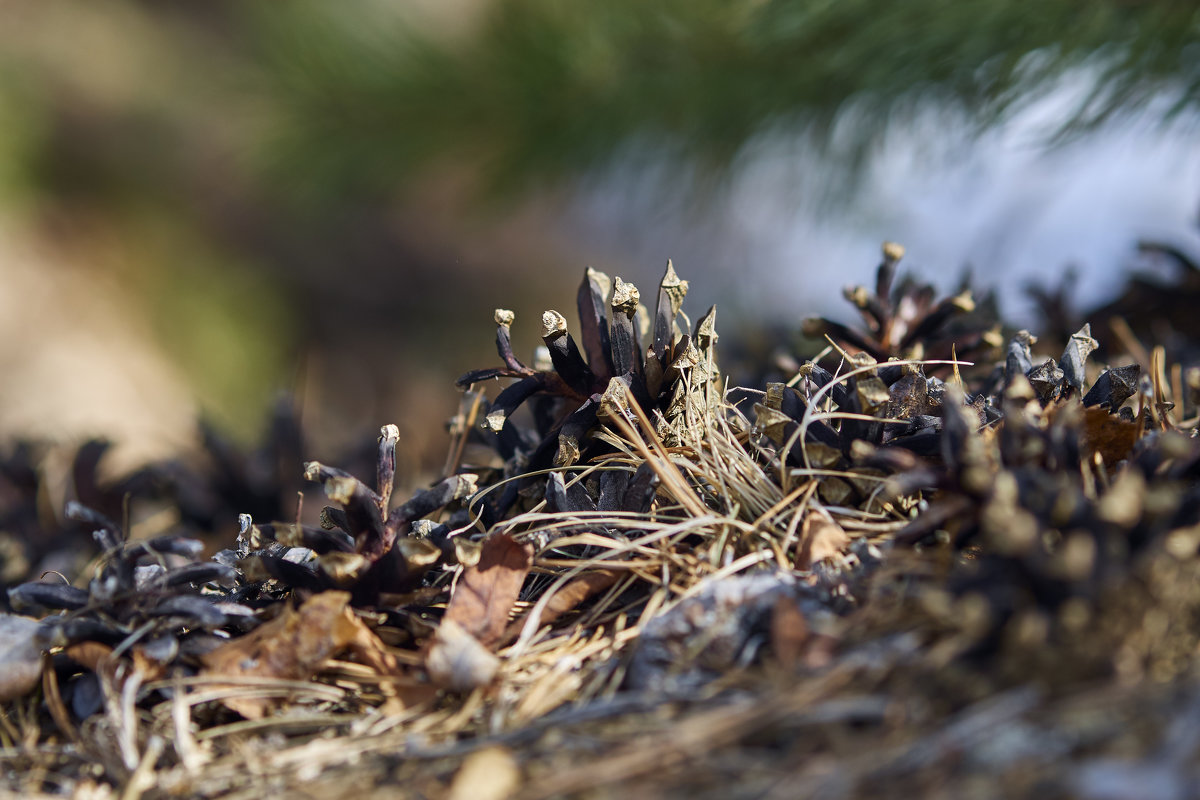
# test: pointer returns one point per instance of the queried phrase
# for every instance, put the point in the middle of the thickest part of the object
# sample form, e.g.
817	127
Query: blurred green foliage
119	152
541	88
219	315
22	131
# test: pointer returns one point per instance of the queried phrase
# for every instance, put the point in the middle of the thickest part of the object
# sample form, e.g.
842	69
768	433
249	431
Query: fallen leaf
456	660
820	538
486	592
569	597
488	774
20	656
294	646
1109	435
458	657
89	654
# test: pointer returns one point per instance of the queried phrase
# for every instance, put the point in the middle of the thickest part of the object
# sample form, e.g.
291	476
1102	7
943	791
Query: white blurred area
1011	205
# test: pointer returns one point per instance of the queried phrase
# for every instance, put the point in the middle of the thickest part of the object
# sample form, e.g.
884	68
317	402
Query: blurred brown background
204	204
157	266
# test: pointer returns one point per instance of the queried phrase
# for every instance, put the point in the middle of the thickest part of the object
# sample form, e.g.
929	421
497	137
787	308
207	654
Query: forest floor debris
889	570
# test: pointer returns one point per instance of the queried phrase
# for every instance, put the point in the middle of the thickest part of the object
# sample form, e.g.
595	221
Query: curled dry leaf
294	646
97	657
487	591
458	657
820	538
570	596
89	654
1107	434
20	656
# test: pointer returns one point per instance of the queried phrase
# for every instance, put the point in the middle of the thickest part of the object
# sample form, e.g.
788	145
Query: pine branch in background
540	88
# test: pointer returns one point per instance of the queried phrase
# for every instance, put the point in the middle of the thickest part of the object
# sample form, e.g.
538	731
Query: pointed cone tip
552	323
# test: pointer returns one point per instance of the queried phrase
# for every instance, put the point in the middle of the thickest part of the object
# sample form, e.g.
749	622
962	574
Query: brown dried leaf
820	537
89	654
486	592
1107	434
570	596
576	591
294	646
20	656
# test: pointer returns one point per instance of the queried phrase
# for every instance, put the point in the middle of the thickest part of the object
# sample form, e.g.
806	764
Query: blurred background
203	205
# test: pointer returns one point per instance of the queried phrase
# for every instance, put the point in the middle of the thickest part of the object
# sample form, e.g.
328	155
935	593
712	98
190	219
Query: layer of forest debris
937	557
